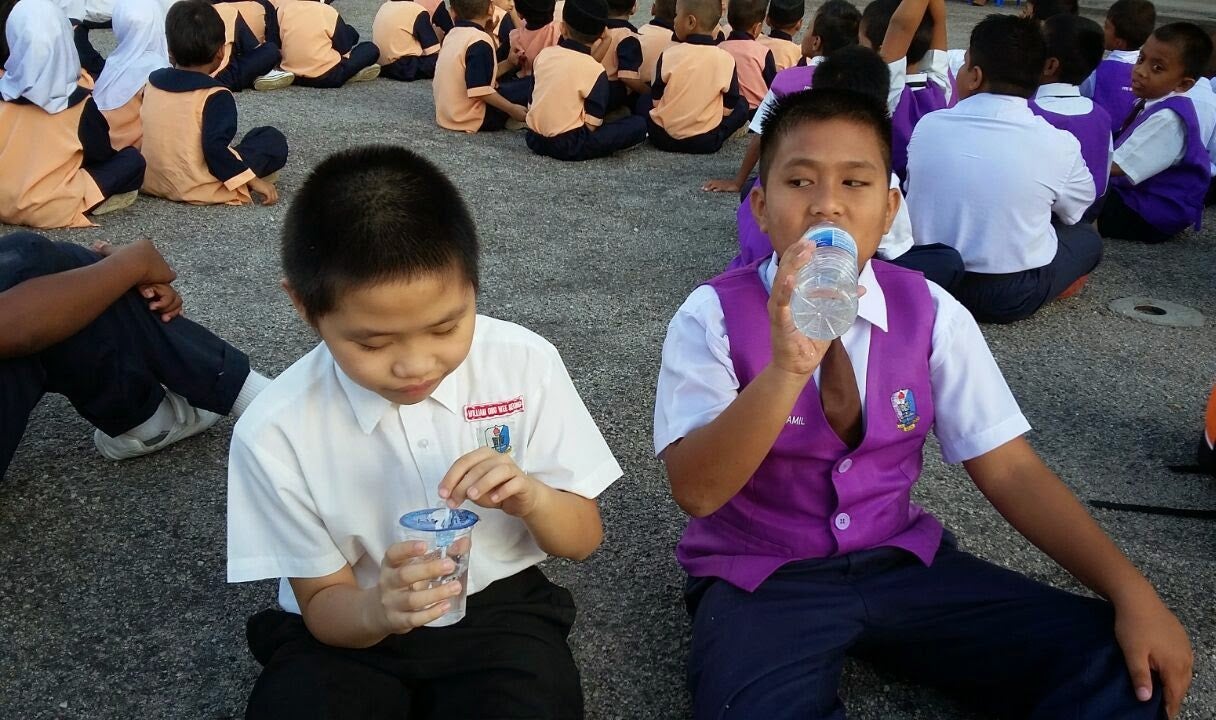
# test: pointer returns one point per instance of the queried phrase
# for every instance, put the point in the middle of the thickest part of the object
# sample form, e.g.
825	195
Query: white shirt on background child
1158	143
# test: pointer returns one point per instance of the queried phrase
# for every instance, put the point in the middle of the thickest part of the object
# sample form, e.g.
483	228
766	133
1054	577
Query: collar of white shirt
1149	103
995	106
1057	90
871	307
369	407
1124	56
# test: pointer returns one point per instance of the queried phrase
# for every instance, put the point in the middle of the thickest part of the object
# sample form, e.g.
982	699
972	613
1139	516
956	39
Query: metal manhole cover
1157	312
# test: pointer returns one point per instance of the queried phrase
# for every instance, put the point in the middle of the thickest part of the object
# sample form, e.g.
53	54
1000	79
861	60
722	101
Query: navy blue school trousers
937	262
705	143
584	144
995	639
1010	297
416	67
264	150
116	369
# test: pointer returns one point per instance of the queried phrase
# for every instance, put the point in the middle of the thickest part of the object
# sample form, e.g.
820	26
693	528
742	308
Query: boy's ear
295	302
1051	68
759	204
895	198
1186	84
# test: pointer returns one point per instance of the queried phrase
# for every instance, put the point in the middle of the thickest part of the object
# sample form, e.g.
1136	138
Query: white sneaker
274	80
116	202
188	421
371	72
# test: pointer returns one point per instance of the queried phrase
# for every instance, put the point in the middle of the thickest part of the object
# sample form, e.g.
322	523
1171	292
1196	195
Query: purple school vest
914	104
1171	200
1092	132
792	80
1113	91
812	496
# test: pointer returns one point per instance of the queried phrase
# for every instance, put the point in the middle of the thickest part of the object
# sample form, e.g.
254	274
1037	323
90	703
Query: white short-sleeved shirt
321	469
770	99
974	410
933	69
973	184
1124	56
1158	143
955	60
1204	98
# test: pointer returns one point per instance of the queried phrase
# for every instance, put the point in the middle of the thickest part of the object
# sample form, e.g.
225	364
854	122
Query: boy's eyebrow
368	334
849	164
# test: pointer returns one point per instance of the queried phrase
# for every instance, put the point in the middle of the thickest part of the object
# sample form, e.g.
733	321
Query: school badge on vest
498	437
904	404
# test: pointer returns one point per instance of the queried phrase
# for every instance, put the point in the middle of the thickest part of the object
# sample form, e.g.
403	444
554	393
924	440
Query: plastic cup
451	539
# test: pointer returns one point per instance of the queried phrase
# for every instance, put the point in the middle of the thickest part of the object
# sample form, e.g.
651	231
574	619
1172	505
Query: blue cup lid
424	520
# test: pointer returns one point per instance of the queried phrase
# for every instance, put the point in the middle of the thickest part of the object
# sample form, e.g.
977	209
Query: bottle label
830	236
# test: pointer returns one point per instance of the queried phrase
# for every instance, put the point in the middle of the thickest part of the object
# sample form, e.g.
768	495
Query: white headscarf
139	26
43	65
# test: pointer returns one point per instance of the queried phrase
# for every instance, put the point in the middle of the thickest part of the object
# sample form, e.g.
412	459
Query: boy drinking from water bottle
412	400
796	457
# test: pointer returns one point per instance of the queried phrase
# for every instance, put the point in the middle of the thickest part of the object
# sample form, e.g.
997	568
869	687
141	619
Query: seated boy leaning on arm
803	546
411	400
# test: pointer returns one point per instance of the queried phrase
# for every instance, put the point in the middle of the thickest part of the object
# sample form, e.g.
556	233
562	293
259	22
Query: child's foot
116	202
274	80
187	421
371	72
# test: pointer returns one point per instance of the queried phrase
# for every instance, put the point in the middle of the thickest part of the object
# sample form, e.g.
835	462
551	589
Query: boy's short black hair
820	105
876	18
621	7
371	214
581	38
470	9
1194	46
707	12
1076	43
1133	21
785	13
194	32
1043	10
664	9
745	14
536	13
855	68
1011	52
836	25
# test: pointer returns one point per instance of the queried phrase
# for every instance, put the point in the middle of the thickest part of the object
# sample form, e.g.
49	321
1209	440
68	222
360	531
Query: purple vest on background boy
1091	130
813	497
792	80
1113	91
914	104
1171	200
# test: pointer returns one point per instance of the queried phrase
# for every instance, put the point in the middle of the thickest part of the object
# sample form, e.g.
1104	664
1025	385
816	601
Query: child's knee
26	255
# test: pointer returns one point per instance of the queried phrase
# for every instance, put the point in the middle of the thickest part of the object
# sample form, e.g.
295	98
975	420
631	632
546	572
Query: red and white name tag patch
493	410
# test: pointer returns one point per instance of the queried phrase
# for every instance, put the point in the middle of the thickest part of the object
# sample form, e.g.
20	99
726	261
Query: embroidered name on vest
795	420
487	411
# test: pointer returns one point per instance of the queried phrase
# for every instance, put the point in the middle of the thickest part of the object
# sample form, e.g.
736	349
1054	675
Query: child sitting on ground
57	162
139	27
784	21
571	96
190	121
320	49
754	63
796	459
697	104
1021	238
656	36
540	30
406	38
249	59
104	329
1161	169
467	96
1128	25
623	56
424	402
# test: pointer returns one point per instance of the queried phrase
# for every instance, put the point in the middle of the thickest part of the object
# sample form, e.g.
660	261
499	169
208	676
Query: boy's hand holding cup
406	597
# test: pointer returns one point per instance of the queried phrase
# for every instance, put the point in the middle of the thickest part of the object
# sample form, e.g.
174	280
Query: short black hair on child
855	68
821	105
876	18
1076	43
745	14
370	214
621	7
1043	10
579	37
1194	46
835	25
194	32
664	9
1011	52
707	12
536	13
1133	21
785	14
470	9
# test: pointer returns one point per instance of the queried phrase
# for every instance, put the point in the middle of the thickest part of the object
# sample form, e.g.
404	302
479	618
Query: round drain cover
1157	312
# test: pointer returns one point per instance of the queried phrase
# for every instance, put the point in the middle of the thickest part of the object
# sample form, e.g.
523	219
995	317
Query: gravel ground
113	603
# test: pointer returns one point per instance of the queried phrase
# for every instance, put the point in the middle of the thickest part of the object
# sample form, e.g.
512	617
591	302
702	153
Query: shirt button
424	444
843	521
845	465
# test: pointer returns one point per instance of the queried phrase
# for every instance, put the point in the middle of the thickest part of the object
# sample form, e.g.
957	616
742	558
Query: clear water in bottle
825	293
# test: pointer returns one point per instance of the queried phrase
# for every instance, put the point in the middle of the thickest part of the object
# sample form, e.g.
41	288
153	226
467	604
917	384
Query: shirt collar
740	35
700	40
1127	56
665	24
1149	103
619	23
469	24
575	46
993	105
1057	90
780	35
871	307
369	406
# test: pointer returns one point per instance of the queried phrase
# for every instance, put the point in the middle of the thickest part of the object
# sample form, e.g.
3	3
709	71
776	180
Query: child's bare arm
515	112
637	85
750	157
902	29
1039	506
937	11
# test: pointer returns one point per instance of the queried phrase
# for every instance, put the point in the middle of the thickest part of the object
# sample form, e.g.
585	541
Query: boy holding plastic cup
412	402
796	459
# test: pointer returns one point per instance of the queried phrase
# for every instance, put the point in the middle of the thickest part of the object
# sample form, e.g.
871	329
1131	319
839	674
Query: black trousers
705	143
940	263
508	658
264	150
410	68
122	173
363	55
243	69
1117	220
584	144
517	91
113	370
1010	297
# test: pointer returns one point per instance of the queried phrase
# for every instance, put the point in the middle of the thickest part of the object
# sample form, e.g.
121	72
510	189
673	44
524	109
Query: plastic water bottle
824	304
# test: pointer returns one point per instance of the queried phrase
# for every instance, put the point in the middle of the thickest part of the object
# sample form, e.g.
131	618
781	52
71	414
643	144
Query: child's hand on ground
1153	640
269	193
492	480
721	185
162	299
405	599
793	352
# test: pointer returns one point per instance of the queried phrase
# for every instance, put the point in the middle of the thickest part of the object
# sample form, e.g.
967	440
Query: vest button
843	521
845	465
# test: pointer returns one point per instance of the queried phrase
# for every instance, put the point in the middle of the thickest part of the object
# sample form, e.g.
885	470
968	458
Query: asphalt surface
113	602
